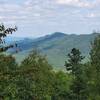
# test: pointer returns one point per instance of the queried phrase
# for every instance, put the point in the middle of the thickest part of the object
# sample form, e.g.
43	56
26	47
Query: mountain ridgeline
56	46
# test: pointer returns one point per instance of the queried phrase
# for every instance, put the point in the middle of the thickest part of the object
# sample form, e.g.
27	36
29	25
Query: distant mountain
10	39
56	46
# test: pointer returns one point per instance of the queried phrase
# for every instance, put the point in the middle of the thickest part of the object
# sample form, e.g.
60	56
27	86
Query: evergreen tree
94	70
74	61
74	66
61	86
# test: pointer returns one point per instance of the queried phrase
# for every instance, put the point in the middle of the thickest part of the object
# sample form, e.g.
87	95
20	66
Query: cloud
93	15
13	12
12	19
78	3
51	12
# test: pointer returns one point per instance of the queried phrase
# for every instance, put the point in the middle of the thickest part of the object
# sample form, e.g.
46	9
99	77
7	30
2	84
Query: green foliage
94	71
29	81
74	62
8	68
7	63
75	67
62	86
41	74
3	33
34	78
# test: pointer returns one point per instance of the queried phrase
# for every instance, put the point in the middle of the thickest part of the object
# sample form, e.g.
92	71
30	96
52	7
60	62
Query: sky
36	18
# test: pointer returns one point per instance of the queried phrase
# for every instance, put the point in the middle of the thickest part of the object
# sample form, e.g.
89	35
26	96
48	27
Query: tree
74	66
32	80
8	68
3	33
94	70
74	62
38	72
61	86
8	65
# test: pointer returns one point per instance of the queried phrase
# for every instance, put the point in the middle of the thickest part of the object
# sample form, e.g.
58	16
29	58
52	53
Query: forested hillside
55	46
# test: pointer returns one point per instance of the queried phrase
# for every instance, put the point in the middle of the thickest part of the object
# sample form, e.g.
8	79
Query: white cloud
36	14
78	3
27	2
93	15
9	7
49	10
12	18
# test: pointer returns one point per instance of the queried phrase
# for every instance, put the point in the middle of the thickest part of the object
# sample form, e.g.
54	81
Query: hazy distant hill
10	39
56	46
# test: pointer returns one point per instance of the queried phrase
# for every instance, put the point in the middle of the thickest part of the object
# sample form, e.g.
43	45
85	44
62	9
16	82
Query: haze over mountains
55	46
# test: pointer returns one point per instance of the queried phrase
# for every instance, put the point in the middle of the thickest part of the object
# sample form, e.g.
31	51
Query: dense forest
35	79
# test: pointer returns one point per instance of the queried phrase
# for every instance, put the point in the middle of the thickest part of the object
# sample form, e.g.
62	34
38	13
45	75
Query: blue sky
40	17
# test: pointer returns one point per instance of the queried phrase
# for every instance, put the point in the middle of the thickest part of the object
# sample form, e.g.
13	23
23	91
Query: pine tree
74	66
94	70
74	61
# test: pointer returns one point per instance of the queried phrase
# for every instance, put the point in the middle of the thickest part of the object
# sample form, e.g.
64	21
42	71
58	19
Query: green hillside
56	47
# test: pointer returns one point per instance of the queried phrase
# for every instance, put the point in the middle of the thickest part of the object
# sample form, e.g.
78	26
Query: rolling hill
55	46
